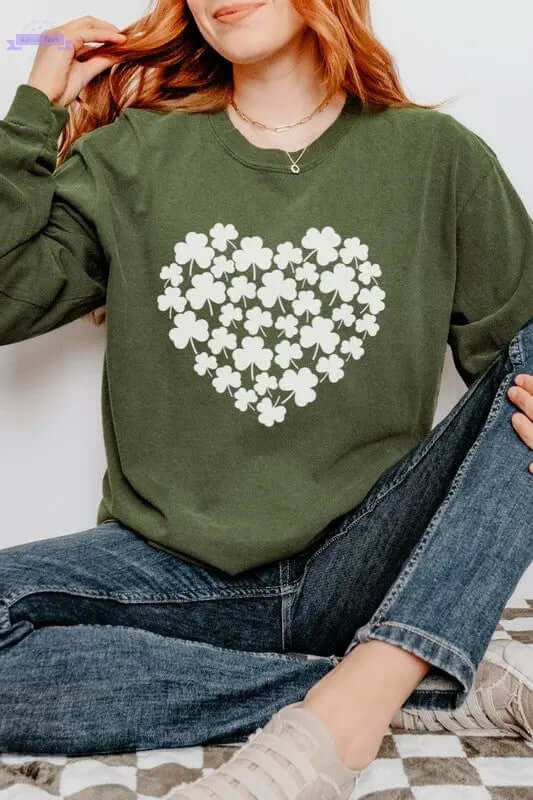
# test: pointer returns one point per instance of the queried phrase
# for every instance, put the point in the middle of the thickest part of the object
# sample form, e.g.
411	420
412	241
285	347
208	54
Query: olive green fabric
275	339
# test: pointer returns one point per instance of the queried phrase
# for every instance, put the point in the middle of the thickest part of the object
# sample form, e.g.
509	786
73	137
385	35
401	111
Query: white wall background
52	454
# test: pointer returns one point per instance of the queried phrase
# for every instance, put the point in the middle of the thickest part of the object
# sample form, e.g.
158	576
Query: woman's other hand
521	394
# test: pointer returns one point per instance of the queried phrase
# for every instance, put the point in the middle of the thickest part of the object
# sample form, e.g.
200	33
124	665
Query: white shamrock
257	319
226	378
367	271
307	273
367	323
373	297
276	286
252	253
323	243
331	366
252	353
244	398
265	383
307	303
204	362
344	315
172	273
353	347
222	266
222	340
269	413
319	334
172	298
222	234
300	384
240	289
353	250
230	314
187	329
287	325
287	352
206	290
194	249
286	254
340	282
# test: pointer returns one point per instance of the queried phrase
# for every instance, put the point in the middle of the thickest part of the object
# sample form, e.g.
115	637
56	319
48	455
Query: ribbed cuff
30	106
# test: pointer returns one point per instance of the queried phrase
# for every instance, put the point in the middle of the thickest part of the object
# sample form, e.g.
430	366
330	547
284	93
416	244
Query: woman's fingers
80	38
524	428
522	397
521	394
525	380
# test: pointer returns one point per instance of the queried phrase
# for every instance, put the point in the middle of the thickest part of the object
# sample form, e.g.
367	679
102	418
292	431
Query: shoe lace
478	706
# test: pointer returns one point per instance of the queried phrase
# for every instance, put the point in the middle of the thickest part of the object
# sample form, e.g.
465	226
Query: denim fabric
108	644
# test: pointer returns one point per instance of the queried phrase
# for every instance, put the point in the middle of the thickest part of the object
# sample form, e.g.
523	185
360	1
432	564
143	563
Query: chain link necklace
294	168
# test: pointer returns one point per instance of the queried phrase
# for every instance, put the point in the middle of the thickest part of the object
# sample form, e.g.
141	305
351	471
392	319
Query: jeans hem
436	691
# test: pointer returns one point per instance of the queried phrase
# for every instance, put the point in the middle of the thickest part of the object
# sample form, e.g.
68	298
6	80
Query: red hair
165	63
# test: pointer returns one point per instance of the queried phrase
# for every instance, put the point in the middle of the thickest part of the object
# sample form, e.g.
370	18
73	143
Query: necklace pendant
295	168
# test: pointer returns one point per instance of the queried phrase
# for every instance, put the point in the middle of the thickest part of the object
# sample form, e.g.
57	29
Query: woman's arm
52	266
494	277
494	263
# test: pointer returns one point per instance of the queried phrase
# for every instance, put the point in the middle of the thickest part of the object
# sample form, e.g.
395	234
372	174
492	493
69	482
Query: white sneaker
500	702
293	757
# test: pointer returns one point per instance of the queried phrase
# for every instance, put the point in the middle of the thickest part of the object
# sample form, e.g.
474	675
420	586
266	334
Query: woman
284	245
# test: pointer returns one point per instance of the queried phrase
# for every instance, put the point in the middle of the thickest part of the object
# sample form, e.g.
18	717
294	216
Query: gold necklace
294	168
279	128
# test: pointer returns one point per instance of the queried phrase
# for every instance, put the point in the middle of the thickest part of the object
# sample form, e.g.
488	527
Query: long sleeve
52	266
494	270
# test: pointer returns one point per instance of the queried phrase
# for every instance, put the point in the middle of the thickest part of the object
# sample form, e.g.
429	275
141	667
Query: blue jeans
108	644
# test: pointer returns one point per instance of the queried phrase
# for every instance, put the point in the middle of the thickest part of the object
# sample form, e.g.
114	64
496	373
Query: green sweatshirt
274	339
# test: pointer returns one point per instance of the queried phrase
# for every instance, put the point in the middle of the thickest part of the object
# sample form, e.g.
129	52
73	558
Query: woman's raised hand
57	71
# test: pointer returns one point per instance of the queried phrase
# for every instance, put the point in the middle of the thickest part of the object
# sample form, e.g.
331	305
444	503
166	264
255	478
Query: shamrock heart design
269	327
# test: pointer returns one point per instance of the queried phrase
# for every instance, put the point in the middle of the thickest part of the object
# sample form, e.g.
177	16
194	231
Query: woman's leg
424	565
108	644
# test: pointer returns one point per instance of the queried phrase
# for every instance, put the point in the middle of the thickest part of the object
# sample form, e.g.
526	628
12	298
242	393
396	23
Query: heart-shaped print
267	327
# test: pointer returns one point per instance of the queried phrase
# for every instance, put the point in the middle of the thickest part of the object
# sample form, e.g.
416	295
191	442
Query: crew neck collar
273	158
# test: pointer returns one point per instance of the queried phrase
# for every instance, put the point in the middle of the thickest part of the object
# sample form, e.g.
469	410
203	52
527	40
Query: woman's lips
236	13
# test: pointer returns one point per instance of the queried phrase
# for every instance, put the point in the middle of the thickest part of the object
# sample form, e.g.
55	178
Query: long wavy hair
166	64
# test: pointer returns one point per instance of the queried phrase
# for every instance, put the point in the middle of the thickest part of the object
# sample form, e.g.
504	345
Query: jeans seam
517	352
425	635
285	599
5	616
14	597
